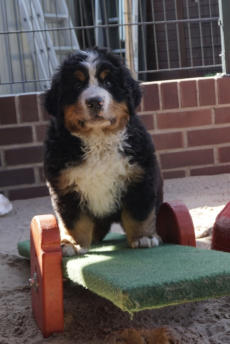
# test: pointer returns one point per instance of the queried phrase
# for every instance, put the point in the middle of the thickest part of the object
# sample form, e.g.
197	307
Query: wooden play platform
132	279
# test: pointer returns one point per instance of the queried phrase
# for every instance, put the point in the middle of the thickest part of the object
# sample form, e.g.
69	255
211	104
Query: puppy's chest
102	177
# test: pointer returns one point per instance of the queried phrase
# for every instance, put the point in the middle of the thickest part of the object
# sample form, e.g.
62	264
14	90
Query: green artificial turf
138	279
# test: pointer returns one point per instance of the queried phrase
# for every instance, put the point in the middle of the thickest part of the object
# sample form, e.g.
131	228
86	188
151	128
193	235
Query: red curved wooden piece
221	230
174	224
46	274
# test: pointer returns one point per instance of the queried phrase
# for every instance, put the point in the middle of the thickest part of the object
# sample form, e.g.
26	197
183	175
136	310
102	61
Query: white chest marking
103	175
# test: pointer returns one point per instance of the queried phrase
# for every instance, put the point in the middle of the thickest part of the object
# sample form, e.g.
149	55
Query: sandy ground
89	318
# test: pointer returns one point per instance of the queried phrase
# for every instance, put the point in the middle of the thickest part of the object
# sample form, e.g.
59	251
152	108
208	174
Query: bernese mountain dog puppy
100	162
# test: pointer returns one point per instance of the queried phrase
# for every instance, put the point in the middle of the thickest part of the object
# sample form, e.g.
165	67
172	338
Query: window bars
158	38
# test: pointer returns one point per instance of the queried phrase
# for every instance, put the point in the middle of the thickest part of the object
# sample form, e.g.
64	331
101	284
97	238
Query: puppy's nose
94	103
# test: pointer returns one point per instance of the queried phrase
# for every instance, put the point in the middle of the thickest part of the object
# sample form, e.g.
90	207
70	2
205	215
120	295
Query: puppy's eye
107	83
78	86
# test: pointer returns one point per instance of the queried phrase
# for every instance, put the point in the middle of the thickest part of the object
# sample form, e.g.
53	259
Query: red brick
186	158
8	110
222	115
26	155
41	132
223	85
173	174
208	136
30	192
45	115
16	177
224	154
147	120
168	140
211	170
150	97
184	119
188	93
28	108
169	95
206	89
15	135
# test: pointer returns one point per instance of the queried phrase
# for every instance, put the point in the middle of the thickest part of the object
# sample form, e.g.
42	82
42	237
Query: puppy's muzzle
95	105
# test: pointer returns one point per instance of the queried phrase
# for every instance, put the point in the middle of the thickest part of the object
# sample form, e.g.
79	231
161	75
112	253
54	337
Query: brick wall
23	123
188	119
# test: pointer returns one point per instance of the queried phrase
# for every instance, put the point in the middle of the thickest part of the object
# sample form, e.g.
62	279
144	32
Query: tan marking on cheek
75	118
104	74
119	116
80	75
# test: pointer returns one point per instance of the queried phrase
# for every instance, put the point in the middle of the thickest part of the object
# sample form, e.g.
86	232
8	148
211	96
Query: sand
91	319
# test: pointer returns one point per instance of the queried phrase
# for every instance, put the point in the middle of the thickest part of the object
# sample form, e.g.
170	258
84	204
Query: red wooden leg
46	274
174	224
221	230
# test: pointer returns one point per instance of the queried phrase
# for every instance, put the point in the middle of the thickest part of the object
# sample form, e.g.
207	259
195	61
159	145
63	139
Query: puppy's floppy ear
128	81
52	97
134	89
136	92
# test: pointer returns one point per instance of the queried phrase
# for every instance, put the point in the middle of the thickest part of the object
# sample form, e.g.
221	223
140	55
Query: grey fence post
224	22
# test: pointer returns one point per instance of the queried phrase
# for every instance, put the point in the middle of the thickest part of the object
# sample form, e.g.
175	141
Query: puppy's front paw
69	249
146	242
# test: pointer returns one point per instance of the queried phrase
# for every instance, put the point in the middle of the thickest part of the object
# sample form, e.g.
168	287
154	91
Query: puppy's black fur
74	122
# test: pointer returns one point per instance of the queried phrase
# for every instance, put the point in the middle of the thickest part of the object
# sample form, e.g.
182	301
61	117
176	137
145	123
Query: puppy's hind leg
140	233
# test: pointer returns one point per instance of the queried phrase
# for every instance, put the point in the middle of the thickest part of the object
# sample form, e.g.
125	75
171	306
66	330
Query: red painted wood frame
221	230
46	274
174	224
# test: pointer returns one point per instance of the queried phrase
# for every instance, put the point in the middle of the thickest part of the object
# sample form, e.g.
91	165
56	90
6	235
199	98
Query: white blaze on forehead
90	63
93	89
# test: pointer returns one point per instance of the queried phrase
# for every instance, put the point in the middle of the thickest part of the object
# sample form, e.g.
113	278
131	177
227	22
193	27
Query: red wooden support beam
46	274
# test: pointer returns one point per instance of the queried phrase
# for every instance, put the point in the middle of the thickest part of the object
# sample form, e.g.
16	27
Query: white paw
146	242
69	250
80	250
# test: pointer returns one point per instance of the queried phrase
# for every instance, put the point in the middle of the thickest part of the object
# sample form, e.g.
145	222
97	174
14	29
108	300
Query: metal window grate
159	38
183	36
